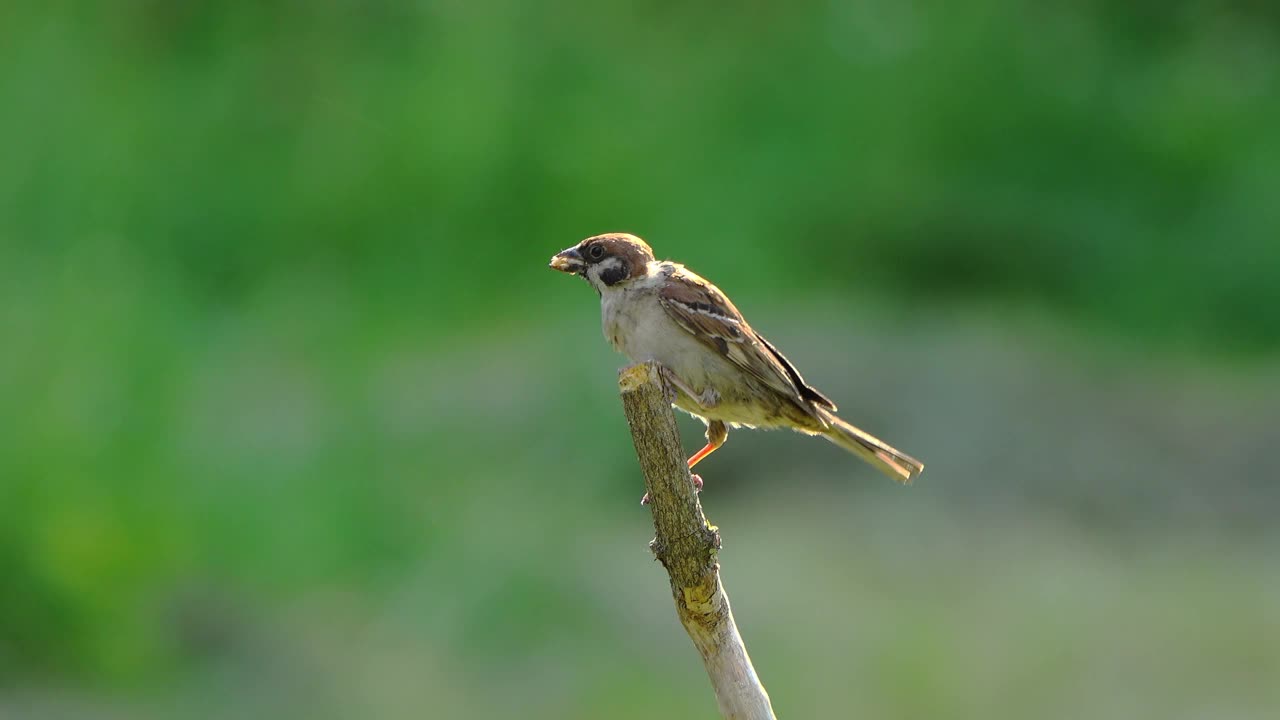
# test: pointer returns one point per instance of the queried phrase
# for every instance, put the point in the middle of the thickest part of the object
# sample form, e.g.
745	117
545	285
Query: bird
720	369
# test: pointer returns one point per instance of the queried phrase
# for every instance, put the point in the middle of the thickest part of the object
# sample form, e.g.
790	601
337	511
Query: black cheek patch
614	275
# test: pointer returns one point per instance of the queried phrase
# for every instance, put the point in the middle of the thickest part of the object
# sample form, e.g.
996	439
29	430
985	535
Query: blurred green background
296	421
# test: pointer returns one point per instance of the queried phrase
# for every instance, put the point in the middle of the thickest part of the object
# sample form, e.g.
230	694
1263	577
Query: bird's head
606	261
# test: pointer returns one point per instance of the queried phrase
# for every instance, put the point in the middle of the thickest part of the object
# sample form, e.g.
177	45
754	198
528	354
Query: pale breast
636	324
633	322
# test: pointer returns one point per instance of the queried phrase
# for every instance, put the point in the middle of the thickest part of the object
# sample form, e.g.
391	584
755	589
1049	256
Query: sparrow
721	370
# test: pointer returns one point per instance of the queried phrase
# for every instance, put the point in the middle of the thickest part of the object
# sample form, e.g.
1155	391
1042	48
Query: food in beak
568	261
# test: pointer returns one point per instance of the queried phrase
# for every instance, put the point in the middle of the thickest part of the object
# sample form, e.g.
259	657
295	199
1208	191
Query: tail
875	452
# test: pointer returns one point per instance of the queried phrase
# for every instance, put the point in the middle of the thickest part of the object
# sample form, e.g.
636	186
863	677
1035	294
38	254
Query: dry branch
687	546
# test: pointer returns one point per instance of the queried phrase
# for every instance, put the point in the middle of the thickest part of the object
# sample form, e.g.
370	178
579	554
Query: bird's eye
596	252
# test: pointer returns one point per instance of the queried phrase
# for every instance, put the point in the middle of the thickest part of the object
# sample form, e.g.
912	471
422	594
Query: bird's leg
706	399
717	433
673	384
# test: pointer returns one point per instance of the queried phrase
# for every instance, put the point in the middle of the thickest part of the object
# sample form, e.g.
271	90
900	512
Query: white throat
653	274
595	271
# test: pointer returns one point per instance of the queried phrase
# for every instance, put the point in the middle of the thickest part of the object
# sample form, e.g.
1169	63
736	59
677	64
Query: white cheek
593	277
595	271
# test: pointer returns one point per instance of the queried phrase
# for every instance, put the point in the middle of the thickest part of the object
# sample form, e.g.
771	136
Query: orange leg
705	451
717	433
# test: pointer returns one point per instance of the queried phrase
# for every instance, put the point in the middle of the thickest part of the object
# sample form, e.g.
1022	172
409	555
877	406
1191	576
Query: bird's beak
569	261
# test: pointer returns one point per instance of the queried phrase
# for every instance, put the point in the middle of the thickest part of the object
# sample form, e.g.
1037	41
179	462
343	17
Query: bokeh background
296	422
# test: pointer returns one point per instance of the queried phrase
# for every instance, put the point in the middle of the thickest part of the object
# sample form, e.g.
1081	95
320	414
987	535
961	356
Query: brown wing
700	307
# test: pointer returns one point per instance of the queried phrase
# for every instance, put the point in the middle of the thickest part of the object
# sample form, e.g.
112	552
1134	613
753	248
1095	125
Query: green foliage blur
294	419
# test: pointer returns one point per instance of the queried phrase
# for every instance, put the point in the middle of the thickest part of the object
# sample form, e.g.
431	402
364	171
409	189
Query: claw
697	485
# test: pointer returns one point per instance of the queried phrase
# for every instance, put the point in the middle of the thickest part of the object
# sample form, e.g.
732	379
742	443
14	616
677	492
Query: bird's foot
697	485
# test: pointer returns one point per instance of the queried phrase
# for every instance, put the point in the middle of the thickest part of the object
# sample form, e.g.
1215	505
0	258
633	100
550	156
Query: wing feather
700	308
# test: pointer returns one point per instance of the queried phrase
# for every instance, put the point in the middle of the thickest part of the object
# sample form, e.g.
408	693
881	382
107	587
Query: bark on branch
687	546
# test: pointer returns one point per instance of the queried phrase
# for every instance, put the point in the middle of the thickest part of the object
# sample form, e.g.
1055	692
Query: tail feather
872	450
